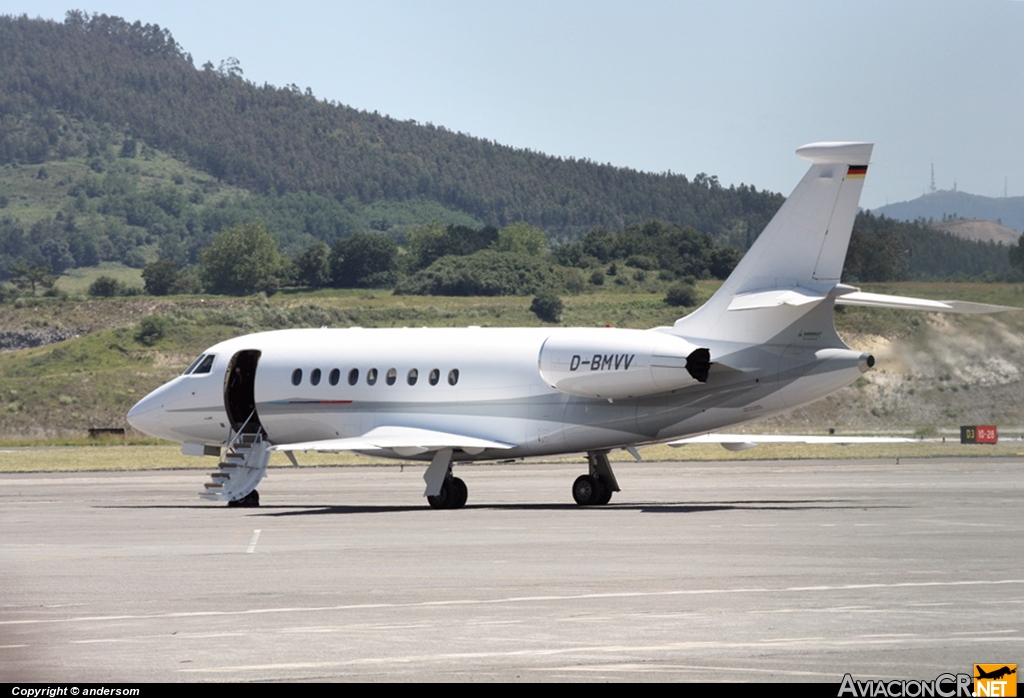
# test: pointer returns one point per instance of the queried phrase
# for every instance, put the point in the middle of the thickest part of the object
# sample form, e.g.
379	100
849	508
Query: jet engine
611	363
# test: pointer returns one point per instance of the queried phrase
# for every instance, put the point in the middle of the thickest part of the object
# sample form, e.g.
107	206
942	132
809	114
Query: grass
77	281
122	457
60	390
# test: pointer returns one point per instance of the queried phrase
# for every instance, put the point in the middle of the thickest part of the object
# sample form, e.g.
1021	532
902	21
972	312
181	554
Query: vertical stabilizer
798	258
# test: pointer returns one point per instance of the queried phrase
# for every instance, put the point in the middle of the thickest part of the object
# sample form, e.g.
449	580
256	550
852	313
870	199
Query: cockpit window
195	363
201	365
205	365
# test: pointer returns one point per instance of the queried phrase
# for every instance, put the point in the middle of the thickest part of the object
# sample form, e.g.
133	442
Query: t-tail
788	283
796	262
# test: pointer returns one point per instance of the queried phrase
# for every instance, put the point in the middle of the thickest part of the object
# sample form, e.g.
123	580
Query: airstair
242	467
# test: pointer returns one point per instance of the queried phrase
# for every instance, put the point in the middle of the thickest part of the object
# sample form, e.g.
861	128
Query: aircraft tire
460	493
248	501
587	490
443	499
606	494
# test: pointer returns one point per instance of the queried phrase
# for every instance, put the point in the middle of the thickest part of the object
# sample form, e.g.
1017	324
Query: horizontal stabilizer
740	442
880	300
405	441
775	297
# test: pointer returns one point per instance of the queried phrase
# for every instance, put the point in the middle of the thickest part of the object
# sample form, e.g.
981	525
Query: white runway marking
791	643
520	600
252	543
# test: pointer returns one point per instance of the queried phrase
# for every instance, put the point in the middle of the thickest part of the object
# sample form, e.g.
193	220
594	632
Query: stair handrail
241	430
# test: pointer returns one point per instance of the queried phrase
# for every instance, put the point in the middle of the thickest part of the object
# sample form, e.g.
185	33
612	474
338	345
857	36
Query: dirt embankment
951	371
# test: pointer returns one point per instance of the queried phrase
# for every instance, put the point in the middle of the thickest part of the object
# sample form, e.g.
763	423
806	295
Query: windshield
195	363
201	365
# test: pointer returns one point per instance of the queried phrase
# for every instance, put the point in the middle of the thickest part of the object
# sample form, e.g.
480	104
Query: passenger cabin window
206	365
296	376
435	376
353	376
371	376
314	376
392	376
193	365
413	376
453	376
335	376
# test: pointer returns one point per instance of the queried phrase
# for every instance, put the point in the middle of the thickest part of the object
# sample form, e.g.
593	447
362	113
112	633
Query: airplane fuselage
319	384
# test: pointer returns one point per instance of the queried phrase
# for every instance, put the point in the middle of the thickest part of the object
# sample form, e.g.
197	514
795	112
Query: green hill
115	148
276	141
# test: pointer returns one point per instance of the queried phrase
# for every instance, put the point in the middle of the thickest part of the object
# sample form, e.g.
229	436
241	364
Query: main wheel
460	493
250	500
587	490
443	499
606	494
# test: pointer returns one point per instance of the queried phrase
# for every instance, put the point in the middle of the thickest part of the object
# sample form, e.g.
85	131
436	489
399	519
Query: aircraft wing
405	441
741	442
881	300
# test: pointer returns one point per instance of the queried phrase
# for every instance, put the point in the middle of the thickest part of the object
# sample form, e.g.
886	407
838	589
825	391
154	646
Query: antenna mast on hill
933	178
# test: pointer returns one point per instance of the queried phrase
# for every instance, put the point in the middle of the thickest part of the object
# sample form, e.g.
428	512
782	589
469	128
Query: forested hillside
277	140
114	147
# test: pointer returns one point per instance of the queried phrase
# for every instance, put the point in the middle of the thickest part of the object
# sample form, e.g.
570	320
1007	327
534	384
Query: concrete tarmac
732	571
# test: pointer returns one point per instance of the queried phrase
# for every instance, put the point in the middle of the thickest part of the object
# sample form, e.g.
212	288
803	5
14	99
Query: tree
364	260
521	238
879	257
27	276
1017	254
239	260
313	267
723	261
160	277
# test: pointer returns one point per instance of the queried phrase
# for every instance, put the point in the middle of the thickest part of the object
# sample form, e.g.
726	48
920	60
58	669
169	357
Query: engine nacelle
613	363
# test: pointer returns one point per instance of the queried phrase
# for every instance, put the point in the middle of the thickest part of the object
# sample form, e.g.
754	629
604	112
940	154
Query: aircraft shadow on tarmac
642	507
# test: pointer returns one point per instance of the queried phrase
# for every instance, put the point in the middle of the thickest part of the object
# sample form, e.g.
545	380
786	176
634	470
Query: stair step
214	485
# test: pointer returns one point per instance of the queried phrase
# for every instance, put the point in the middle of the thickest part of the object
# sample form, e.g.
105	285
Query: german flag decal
856	171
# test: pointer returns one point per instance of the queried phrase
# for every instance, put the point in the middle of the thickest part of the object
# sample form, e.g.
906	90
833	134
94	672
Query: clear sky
727	88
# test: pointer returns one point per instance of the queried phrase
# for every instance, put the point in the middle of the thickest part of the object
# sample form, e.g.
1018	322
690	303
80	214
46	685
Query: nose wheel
250	500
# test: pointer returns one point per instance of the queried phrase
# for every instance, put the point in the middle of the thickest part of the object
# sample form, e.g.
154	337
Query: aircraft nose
143	415
149	415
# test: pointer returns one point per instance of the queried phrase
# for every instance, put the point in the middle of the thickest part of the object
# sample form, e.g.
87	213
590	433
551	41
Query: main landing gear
250	500
453	494
443	490
597	486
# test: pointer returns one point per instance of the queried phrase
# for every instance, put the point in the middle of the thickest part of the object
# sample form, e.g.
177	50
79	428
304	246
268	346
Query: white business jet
763	344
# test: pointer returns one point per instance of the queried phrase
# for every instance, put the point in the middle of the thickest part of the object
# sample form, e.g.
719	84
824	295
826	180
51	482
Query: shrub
486	273
547	306
151	330
682	294
106	287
